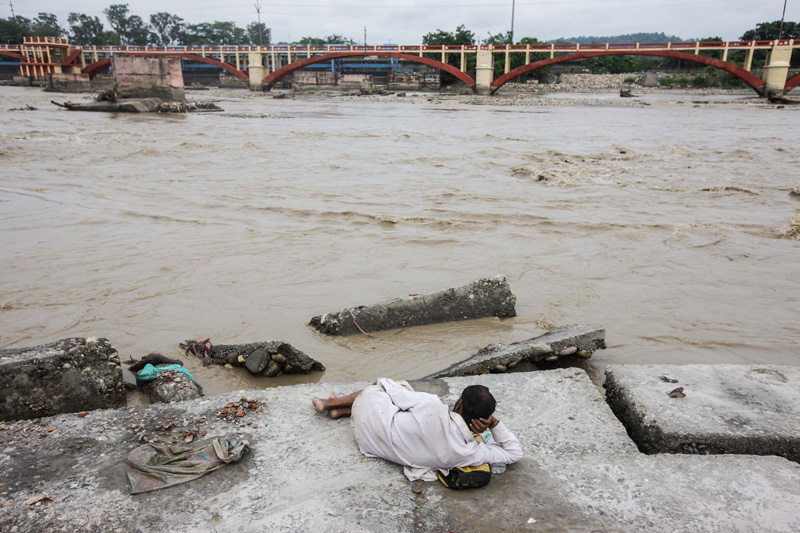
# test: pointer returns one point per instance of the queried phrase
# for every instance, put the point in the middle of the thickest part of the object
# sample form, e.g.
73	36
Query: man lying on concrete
415	429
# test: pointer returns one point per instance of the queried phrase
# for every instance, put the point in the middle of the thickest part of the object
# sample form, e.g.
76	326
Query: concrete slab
305	473
726	409
544	351
482	298
69	375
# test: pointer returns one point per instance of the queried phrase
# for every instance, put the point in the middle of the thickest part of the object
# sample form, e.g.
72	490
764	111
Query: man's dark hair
476	402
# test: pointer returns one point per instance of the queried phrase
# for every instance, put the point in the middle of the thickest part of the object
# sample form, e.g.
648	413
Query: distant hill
622	39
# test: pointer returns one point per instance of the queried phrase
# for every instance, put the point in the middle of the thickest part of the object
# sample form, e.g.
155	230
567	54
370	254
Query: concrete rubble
269	359
488	297
720	409
69	375
542	351
580	472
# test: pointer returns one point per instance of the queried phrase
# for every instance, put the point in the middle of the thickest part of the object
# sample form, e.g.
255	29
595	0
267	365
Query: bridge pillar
777	70
256	70
484	72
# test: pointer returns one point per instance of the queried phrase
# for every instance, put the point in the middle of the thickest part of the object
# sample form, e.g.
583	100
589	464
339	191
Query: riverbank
580	472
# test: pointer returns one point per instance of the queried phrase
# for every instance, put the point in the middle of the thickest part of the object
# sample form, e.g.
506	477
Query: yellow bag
467	477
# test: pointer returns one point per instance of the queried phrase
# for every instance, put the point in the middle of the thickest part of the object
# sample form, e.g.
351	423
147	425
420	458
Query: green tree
461	36
213	33
13	29
330	39
46	25
118	18
259	33
166	28
138	31
767	31
85	30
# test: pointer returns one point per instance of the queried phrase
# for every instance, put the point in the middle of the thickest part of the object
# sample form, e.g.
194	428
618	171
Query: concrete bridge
264	66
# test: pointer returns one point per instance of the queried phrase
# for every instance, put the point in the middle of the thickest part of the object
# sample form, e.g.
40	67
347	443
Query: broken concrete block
482	298
66	376
744	409
266	358
544	350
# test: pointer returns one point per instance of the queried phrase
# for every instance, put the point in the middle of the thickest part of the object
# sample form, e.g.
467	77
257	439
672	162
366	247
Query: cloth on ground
159	466
150	372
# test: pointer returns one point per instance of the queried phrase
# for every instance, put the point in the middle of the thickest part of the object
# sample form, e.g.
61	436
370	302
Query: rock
162	390
650	80
500	368
272	369
257	361
233	359
289	359
488	297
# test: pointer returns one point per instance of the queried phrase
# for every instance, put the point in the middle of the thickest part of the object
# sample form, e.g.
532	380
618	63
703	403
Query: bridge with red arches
262	67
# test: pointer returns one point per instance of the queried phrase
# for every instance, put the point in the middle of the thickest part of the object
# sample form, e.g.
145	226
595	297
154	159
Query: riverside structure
261	67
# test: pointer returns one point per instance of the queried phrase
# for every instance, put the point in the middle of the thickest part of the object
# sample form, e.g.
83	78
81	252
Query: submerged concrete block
480	299
743	409
266	358
69	375
544	350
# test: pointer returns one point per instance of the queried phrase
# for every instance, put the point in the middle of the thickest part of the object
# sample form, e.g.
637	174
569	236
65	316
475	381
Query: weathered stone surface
726	408
544	350
69	375
482	298
305	473
260	358
177	389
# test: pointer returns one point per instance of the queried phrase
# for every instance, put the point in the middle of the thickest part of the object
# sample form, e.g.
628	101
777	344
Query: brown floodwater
662	223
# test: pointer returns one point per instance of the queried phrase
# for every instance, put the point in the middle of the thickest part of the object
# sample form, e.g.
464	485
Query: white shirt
416	429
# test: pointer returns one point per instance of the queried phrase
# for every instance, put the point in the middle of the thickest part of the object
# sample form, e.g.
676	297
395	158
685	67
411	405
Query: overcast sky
406	21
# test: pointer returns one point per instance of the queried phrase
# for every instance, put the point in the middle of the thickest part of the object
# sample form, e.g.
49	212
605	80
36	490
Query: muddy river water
661	222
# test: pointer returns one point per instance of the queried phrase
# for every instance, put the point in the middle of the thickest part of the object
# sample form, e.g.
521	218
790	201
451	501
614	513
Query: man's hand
479	425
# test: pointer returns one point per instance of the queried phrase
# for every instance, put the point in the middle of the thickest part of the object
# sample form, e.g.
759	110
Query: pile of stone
270	359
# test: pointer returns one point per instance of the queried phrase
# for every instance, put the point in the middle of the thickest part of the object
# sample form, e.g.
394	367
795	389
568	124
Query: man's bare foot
340	412
319	405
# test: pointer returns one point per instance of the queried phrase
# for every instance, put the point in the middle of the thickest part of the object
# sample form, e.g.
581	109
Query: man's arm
509	446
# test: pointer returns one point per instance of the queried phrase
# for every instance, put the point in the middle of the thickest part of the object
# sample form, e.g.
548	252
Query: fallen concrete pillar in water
546	350
708	409
480	299
266	358
66	376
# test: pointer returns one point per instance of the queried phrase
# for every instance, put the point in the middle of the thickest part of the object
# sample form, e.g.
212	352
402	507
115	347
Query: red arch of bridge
11	54
791	83
273	78
99	66
748	77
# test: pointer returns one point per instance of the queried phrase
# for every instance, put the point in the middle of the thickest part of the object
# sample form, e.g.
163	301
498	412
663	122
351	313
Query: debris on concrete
271	359
717	409
172	386
626	93
70	375
27	107
544	351
488	297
